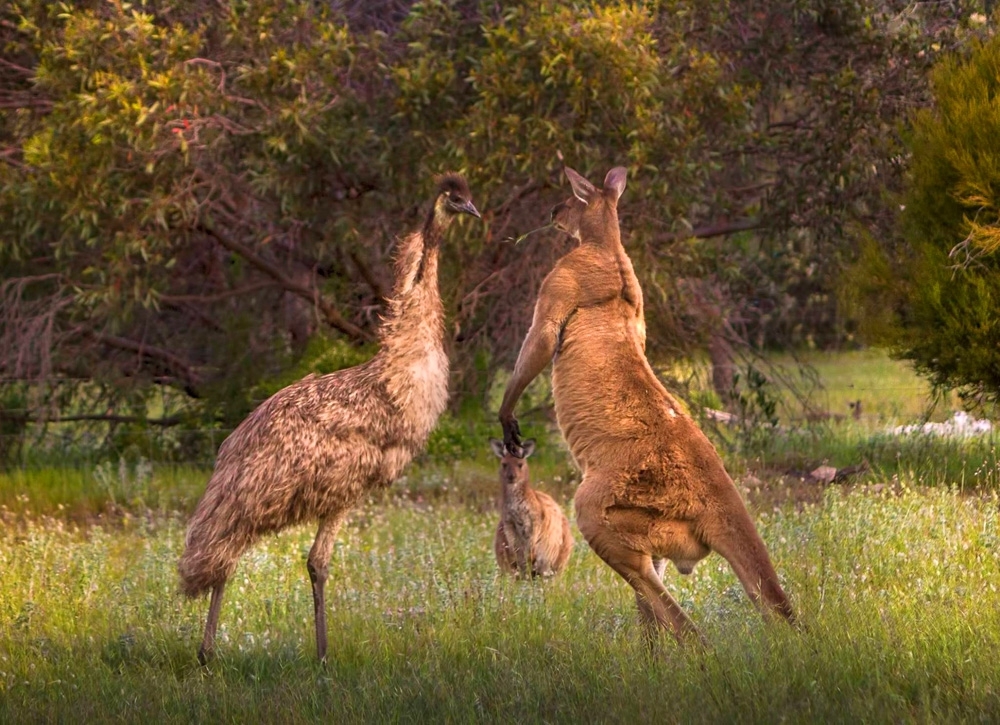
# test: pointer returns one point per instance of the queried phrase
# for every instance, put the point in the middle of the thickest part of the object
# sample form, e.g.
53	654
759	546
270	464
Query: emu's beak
469	208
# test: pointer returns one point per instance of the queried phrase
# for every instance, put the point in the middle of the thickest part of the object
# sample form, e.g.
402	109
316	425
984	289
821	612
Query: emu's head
591	214
513	469
453	198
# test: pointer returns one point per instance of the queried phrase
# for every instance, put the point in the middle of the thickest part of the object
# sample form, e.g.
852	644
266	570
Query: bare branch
172	362
16	67
516	195
98	417
330	313
369	276
717	229
28	326
218	296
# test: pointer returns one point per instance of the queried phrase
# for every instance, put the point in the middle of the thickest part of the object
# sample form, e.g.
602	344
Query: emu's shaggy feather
313	449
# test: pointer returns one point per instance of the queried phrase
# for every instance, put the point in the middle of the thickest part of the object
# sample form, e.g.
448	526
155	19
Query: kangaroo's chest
519	520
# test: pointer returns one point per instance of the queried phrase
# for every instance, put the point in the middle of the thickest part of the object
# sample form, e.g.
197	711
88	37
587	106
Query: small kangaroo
533	537
653	485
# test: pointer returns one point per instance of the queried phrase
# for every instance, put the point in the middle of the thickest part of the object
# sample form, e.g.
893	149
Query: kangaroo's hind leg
735	537
646	614
656	605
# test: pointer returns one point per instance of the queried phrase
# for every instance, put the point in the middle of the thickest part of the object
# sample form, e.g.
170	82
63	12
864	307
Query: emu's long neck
415	362
415	310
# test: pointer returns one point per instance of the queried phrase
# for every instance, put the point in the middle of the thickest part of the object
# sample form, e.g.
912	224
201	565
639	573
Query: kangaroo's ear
614	182
582	189
527	447
497	447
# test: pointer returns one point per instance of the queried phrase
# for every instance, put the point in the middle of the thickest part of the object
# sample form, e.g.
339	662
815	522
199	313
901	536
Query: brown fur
312	450
533	537
653	485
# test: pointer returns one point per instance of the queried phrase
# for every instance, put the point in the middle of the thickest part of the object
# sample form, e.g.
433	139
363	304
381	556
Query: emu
533	537
653	487
314	448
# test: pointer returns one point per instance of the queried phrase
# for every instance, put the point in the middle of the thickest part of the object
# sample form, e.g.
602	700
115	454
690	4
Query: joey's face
513	470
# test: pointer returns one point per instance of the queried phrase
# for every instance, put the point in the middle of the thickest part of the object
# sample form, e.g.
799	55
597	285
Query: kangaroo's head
591	214
513	469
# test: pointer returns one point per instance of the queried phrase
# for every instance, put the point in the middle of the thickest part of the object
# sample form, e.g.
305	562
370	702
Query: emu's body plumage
310	451
313	449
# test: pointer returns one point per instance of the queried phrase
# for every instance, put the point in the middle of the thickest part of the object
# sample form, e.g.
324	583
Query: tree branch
15	67
516	195
330	313
218	296
368	276
717	229
99	417
175	364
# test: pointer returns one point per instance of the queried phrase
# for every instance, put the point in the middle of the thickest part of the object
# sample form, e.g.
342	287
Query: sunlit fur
313	449
533	537
653	485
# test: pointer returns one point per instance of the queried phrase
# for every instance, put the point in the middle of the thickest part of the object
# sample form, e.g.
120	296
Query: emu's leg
735	537
318	565
214	607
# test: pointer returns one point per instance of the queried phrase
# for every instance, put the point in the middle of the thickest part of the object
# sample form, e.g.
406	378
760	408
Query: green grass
898	594
84	493
896	584
889	390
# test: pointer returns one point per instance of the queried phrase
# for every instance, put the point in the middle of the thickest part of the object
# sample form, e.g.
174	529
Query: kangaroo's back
653	485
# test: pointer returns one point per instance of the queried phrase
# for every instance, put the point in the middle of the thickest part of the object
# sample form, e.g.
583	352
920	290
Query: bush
933	291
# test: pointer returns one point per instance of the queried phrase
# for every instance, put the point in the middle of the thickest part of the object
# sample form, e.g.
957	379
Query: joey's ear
497	447
582	189
527	447
615	181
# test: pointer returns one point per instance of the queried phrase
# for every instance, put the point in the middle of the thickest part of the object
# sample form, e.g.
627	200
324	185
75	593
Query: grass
898	593
87	493
888	389
896	581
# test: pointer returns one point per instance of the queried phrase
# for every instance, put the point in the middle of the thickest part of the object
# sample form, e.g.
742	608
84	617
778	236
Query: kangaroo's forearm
536	352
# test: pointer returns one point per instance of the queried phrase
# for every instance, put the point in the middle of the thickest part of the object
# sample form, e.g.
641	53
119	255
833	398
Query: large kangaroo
653	485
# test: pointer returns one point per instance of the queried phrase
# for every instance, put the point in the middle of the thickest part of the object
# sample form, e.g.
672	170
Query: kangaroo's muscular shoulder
589	272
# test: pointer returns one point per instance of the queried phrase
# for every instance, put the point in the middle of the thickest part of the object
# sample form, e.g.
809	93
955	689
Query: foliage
197	195
933	289
756	406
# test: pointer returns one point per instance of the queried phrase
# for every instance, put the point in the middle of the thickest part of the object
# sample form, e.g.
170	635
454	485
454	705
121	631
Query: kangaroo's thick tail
218	533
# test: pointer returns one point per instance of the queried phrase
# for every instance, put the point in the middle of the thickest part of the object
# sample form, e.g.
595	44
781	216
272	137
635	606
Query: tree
201	197
932	290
